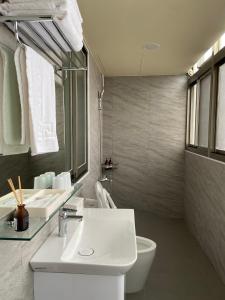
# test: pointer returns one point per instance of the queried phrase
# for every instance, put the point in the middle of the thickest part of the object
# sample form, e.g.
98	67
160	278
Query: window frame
211	66
71	141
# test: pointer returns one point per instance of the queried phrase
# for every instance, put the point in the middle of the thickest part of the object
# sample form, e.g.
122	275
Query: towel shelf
44	33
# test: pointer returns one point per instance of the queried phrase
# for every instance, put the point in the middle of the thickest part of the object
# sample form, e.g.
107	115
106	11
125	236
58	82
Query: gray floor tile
181	270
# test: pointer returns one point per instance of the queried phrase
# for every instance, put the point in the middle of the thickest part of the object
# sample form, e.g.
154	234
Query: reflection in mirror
28	166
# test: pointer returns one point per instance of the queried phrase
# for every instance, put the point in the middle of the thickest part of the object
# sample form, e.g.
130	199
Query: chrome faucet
65	214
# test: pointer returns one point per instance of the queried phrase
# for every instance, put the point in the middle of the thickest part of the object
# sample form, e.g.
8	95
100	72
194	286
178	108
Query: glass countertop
7	232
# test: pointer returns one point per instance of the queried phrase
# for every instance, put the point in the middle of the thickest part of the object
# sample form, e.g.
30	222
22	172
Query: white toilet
146	248
136	277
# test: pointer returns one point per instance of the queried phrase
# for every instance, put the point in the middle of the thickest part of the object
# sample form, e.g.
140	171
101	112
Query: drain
86	252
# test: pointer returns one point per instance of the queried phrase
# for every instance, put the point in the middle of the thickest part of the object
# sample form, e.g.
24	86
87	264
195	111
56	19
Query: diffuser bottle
21	218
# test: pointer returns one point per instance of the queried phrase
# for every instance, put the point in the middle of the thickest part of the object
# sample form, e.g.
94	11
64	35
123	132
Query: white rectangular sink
104	243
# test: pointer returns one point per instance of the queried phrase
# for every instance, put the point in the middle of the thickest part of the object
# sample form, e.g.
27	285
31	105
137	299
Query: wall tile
144	131
205	206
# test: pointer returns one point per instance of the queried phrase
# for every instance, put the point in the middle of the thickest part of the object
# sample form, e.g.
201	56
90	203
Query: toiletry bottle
21	218
106	162
110	163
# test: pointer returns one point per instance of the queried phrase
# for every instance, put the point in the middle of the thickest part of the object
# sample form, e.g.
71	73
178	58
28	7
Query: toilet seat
145	245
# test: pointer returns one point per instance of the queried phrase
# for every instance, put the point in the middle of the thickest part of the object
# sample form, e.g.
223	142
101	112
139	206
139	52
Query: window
199	95
79	123
220	121
204	102
222	42
76	117
206	56
193	110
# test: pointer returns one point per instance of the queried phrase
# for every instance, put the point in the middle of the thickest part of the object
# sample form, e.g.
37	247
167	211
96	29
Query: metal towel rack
44	33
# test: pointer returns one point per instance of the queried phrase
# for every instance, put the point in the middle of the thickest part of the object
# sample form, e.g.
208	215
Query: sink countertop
104	243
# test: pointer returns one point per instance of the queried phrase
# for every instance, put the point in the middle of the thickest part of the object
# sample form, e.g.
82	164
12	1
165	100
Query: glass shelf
109	167
7	232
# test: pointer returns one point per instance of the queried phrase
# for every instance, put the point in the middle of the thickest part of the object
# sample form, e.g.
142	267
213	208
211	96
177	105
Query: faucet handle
64	211
69	209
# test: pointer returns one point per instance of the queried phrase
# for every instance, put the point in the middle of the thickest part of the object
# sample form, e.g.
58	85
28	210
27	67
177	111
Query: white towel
20	63
43	11
71	33
56	2
27	6
10	110
42	103
71	24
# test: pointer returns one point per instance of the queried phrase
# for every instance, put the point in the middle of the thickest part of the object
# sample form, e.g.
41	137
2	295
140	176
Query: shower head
100	94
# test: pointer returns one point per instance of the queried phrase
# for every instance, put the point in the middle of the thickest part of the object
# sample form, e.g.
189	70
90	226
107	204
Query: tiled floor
181	271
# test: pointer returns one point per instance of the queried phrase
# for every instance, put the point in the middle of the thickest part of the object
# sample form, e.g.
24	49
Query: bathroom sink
104	243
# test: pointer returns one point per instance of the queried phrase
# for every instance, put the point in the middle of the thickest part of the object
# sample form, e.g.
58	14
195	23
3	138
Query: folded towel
42	103
72	35
57	2
71	24
20	63
10	107
28	6
52	7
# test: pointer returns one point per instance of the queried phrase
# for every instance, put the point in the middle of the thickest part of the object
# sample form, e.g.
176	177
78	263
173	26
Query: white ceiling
117	30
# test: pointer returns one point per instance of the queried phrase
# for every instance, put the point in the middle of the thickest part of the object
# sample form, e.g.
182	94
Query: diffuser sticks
21	216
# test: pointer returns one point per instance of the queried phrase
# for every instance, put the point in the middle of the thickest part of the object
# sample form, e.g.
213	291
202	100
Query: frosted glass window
81	118
222	42
193	109
220	122
204	103
205	57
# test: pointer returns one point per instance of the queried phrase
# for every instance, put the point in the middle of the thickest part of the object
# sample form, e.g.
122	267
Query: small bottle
106	162
21	218
110	163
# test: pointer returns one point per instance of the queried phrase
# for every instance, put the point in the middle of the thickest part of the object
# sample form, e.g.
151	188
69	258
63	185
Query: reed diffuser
21	215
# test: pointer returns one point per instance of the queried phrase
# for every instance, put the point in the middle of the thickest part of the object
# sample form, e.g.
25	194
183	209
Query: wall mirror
71	113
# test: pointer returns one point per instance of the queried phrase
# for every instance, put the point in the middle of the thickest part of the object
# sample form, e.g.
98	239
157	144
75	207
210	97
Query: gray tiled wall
205	206
144	131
